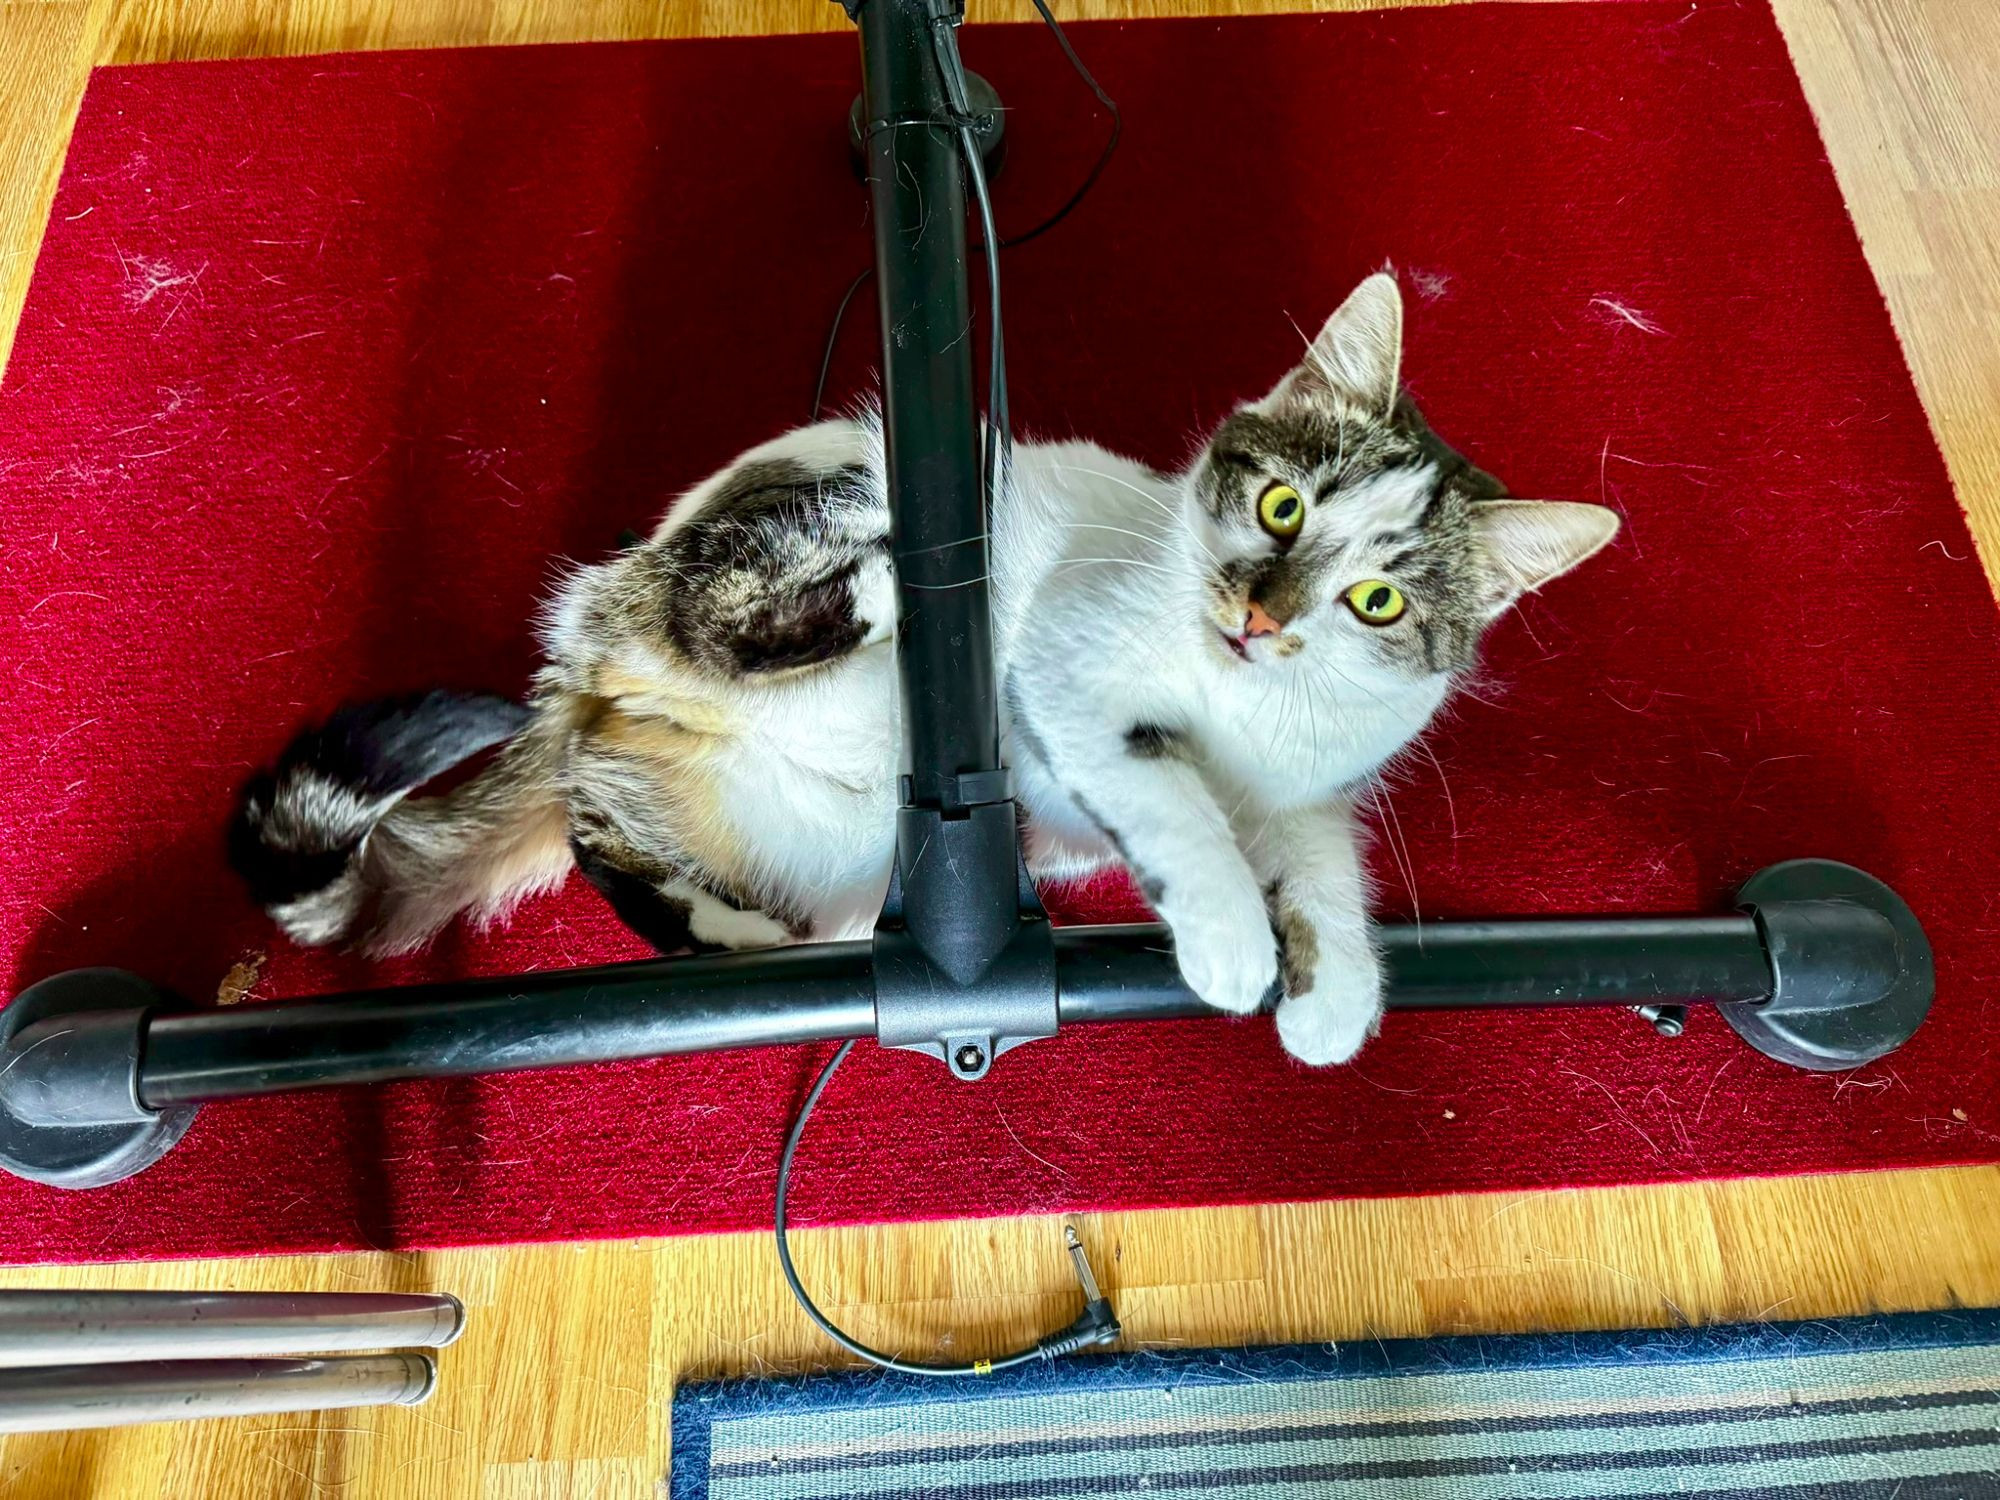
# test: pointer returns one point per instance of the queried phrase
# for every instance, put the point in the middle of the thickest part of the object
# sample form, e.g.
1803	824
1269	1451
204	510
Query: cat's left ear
1529	542
1357	355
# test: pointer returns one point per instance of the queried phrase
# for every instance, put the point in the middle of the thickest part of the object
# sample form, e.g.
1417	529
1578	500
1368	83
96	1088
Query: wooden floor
560	1387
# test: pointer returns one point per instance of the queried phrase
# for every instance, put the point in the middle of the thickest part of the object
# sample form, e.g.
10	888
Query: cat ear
1529	542
1357	354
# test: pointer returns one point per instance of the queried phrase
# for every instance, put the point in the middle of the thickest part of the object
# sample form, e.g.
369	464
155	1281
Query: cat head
1332	528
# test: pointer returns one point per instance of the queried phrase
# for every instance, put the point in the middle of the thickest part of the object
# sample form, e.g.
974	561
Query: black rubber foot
1850	986
82	1156
991	134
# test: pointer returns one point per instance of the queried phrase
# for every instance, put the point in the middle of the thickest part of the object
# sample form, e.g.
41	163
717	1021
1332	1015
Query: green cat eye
1376	601
1282	511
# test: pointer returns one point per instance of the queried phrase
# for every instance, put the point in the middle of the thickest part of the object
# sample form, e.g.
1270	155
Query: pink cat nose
1260	621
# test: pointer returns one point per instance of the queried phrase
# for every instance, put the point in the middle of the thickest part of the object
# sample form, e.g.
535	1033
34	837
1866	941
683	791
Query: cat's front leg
1318	898
1154	807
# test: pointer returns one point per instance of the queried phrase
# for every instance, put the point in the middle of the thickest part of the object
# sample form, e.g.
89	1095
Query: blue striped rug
1888	1408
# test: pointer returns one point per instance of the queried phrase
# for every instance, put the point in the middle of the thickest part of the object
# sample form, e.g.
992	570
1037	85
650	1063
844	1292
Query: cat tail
337	850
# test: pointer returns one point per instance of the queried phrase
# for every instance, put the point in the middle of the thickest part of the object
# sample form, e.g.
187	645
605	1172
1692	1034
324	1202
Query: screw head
1666	1020
969	1058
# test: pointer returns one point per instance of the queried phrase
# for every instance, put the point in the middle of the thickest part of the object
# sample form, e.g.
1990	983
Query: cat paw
1329	1022
1227	954
875	601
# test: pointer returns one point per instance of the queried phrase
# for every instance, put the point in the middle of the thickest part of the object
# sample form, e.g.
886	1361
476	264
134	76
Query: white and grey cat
1201	671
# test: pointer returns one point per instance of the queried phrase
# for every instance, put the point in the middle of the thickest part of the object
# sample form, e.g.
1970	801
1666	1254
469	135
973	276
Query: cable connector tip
1098	1324
1080	1262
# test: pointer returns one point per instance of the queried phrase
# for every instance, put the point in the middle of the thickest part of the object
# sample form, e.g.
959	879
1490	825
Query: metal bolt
1667	1020
969	1058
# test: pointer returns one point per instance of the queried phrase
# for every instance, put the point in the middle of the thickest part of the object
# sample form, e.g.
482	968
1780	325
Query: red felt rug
327	359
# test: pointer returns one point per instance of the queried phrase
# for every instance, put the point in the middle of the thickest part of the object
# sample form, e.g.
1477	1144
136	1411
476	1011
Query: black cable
998	446
1062	212
826	1326
1110	141
833	337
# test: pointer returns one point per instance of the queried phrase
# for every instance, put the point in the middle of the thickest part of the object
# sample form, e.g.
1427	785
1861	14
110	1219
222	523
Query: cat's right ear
1529	542
1356	356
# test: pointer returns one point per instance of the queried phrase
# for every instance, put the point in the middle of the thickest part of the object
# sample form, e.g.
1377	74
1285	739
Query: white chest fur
1296	741
812	783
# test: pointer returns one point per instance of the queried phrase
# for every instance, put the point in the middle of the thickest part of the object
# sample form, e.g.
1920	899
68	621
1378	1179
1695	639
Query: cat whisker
1357	686
1257	838
977	536
1399	849
1141	634
1312	718
1114	562
1151	499
1139	536
1451	807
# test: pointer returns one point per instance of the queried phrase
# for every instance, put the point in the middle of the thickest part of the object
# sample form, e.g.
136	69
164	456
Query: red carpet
326	359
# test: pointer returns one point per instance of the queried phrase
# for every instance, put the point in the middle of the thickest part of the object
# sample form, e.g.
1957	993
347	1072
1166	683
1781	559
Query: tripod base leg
1850	965
109	1135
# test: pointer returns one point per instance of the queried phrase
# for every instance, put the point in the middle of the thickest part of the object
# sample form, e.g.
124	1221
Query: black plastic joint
966	789
965	963
917	1007
977	788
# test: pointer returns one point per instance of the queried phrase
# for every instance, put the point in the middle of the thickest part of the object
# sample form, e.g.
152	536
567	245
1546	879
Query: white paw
875	600
1330	1021
1227	952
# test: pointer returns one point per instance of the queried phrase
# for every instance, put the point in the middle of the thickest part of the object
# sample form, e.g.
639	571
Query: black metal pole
647	1008
930	409
1129	973
660	1007
98	1072
1825	941
963	962
825	992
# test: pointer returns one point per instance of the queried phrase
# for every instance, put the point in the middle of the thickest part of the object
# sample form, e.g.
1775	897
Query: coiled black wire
826	1325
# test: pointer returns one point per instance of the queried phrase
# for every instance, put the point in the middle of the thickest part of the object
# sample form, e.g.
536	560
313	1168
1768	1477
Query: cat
1200	671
